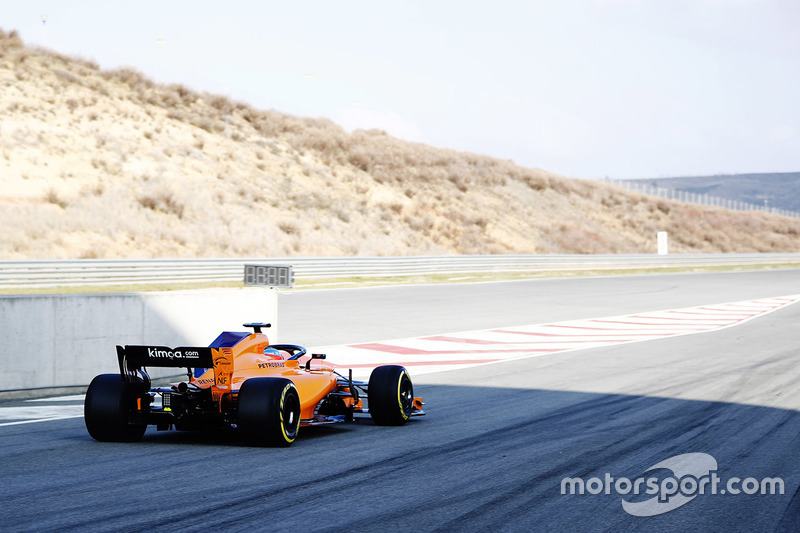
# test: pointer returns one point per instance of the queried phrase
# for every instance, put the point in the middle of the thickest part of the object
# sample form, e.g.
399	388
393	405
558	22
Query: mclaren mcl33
267	392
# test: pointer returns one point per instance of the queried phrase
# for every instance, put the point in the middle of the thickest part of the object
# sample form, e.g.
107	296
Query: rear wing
133	360
135	357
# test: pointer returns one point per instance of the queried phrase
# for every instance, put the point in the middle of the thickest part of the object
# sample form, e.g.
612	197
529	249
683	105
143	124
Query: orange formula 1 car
266	391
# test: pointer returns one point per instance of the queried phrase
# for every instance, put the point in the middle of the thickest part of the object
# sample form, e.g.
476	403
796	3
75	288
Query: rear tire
106	407
269	412
390	395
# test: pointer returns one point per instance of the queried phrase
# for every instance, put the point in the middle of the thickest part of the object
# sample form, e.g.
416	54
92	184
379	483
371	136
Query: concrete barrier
53	342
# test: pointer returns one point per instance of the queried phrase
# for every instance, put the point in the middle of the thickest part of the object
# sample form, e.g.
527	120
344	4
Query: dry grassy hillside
108	164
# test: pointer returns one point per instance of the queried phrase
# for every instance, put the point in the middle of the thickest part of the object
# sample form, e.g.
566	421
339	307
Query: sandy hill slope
106	164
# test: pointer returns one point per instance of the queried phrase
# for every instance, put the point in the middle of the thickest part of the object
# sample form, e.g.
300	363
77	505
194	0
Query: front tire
390	395
269	412
106	407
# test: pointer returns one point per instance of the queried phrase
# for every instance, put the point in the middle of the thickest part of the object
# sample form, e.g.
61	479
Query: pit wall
53	342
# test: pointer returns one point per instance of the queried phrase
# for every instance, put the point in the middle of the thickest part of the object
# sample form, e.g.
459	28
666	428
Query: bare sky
586	88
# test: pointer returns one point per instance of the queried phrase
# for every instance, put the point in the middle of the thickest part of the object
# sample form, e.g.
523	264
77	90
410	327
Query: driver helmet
272	352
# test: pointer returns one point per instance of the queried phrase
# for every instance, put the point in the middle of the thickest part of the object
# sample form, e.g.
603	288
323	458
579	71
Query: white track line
40	420
30	414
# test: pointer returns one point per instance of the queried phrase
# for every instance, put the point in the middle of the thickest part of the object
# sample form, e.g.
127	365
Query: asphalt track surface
498	440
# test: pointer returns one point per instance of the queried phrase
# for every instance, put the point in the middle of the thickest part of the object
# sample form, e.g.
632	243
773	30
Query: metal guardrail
53	273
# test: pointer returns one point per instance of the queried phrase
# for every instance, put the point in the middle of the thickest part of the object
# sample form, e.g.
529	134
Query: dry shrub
573	239
65	75
19	57
325	138
165	98
90	253
186	95
289	228
461	183
88	64
223	105
609	201
360	158
162	201
131	77
9	41
560	185
479	221
52	197
417	222
471	241
537	183
342	214
207	123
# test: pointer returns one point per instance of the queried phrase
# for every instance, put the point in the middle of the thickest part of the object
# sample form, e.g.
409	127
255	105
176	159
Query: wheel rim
291	407
406	394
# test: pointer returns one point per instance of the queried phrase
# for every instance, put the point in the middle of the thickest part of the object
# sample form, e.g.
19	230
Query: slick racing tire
390	395
106	407
269	412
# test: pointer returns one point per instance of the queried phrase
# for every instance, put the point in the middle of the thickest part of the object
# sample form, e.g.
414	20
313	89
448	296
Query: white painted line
39	420
71	398
38	413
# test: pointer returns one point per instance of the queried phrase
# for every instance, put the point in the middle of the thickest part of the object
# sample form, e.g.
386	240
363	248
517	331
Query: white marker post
662	243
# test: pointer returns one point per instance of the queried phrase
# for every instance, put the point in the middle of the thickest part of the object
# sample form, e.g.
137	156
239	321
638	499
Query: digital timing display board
268	276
